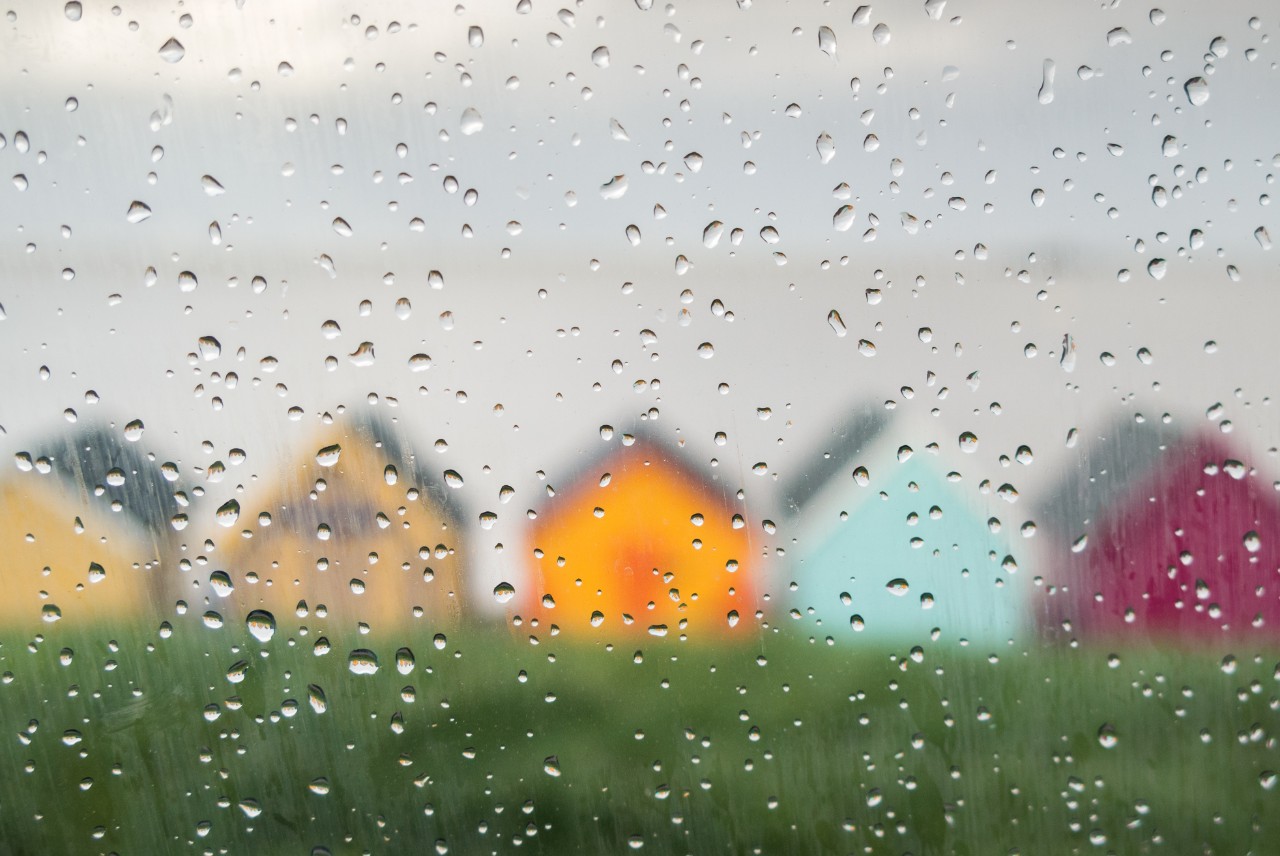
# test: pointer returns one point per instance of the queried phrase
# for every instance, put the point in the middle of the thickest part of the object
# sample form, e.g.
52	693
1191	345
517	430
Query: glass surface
695	427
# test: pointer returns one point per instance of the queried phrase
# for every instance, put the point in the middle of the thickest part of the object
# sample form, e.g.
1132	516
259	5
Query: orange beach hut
641	542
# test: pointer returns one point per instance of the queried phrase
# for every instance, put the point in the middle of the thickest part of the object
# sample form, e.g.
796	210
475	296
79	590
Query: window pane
695	428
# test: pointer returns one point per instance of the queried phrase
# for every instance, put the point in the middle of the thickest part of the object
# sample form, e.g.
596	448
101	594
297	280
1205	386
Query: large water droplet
471	122
228	513
827	41
826	147
210	348
1197	89
837	323
362	661
138	211
261	624
171	51
328	456
614	188
504	592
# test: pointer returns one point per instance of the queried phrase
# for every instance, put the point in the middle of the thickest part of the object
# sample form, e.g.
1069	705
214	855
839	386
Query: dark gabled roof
83	457
840	453
1110	461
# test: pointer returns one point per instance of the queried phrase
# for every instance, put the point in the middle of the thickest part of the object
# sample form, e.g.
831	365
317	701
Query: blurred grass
781	746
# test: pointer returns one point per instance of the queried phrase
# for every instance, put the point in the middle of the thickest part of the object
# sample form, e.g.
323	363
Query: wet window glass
682	427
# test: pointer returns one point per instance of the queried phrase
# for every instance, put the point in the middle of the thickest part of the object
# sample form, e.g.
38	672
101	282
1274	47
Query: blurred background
869	394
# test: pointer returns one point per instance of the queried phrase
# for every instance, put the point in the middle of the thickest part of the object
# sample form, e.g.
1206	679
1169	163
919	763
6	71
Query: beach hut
354	529
641	541
84	534
1164	534
891	551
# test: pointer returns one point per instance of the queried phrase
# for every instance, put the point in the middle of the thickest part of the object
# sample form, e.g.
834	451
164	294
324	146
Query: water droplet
618	132
220	582
133	430
328	456
504	592
228	513
261	624
826	147
452	478
315	695
171	51
897	587
1252	542
712	233
969	442
614	188
600	57
861	477
475	37
404	661
843	219
363	355
138	211
1263	237
187	282
362	661
706	350
1157	268
73	10
212	186
236	671
210	348
1107	738
551	765
471	121
1197	89
1046	81
342	227
837	323
866	347
881	34
693	161
827	41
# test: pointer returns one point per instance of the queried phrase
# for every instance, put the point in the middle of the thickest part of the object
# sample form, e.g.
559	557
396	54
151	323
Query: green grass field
783	746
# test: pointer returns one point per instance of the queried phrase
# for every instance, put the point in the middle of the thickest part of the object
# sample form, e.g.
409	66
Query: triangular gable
948	553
